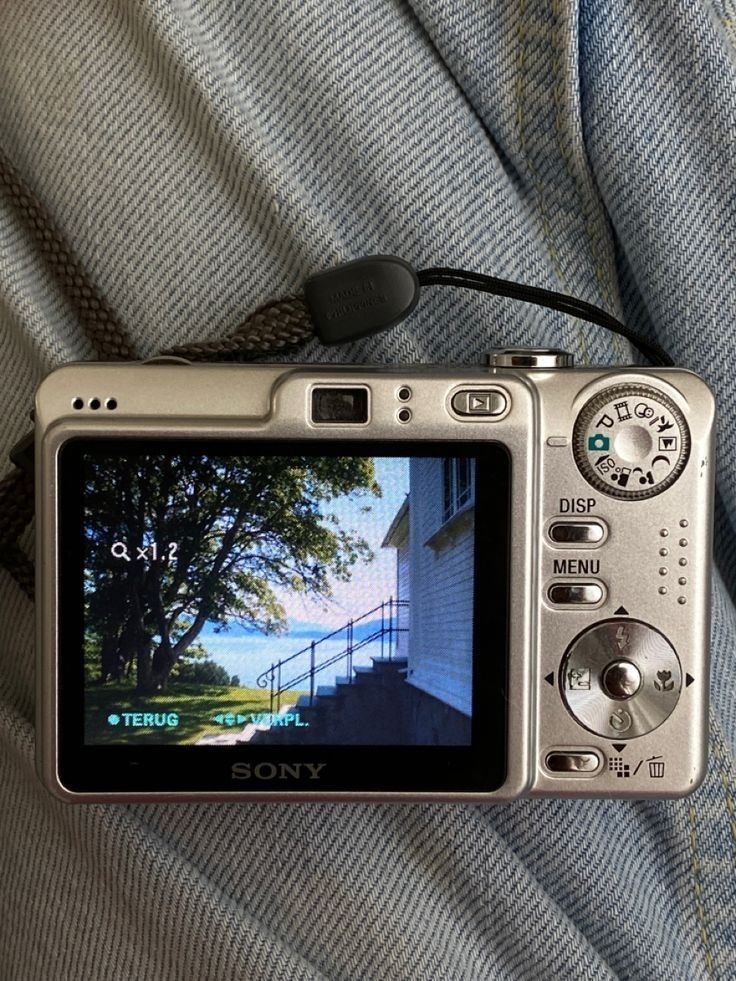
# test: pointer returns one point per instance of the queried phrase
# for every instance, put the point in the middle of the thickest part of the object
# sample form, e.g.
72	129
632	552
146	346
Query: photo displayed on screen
277	600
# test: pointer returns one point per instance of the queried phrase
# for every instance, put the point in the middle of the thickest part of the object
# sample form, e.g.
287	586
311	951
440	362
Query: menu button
575	594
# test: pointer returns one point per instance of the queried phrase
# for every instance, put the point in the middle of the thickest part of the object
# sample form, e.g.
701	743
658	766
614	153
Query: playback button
479	403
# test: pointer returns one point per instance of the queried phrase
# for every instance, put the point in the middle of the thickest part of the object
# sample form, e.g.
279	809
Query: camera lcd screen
244	598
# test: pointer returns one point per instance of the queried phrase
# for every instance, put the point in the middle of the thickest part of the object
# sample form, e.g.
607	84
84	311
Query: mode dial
631	442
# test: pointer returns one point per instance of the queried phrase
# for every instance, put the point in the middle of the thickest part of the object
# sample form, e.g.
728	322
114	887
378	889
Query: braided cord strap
16	511
105	333
98	321
272	327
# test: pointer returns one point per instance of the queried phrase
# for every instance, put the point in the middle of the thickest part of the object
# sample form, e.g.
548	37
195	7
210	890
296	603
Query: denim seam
557	43
724	762
697	884
536	182
596	246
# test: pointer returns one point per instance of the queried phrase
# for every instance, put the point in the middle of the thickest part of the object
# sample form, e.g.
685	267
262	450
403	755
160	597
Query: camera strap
373	294
350	301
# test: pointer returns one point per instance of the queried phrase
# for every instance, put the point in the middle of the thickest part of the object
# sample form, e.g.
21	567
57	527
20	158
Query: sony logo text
277	771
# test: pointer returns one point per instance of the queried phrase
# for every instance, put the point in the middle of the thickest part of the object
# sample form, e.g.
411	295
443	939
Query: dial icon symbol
621	720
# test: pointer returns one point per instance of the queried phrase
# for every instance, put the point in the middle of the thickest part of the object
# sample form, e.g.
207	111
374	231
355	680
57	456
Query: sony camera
290	582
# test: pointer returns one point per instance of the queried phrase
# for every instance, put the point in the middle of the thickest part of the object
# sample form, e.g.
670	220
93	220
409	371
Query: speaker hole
94	403
78	403
111	404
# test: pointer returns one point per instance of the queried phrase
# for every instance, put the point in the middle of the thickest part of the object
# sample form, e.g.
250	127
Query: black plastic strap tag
361	298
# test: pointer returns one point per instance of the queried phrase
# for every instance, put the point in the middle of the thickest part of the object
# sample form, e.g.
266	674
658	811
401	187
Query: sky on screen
371	582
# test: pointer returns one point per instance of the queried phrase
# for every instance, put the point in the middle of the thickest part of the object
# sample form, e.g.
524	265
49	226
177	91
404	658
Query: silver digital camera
290	582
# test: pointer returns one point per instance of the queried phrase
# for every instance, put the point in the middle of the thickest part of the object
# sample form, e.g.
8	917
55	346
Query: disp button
576	532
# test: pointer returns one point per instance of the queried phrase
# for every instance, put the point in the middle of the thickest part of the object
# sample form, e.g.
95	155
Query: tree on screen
229	534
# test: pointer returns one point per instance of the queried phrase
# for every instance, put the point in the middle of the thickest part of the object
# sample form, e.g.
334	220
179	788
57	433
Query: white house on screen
433	534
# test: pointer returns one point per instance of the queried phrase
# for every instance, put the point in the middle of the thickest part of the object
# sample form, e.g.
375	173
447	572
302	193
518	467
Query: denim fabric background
201	158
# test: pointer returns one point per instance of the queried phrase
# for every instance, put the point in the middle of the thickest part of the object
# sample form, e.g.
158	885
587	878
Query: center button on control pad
620	678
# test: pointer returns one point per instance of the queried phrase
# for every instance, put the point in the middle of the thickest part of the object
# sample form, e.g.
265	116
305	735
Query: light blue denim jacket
201	158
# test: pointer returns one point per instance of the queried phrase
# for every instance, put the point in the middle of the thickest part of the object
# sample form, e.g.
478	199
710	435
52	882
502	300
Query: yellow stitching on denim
698	891
724	760
537	184
598	254
729	24
558	92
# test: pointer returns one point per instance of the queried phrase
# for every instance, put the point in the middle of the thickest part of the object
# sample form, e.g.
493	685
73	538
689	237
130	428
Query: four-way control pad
631	441
620	678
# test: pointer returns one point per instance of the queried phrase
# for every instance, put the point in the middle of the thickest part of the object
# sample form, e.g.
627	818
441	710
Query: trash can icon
656	766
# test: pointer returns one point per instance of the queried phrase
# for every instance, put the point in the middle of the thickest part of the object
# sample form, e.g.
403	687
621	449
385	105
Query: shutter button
529	357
